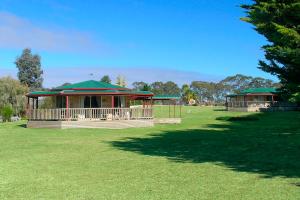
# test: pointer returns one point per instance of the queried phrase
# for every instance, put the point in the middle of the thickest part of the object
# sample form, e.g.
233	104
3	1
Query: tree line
206	92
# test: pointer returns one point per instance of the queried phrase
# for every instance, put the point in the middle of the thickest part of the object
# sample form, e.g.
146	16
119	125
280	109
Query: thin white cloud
59	75
17	32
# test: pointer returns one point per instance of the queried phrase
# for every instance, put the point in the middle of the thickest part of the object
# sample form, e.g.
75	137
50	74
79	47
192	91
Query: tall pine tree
279	22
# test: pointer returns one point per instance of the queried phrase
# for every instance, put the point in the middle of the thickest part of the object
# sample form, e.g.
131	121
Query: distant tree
236	83
66	84
239	82
106	79
12	93
204	90
121	81
30	72
138	85
146	87
185	88
220	92
187	94
157	88
279	22
258	82
171	88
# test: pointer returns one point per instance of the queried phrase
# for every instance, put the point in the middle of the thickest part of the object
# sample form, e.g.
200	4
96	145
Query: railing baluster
92	113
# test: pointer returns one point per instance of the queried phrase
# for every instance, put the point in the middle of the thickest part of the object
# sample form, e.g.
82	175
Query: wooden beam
174	108
32	103
67	106
180	109
90	101
112	102
37	102
169	109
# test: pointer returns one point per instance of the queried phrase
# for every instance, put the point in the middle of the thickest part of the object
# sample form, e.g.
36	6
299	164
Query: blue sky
179	40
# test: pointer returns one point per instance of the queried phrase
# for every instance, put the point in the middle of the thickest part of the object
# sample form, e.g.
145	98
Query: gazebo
91	104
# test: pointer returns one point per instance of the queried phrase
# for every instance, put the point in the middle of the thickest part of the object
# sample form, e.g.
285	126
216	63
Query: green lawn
208	156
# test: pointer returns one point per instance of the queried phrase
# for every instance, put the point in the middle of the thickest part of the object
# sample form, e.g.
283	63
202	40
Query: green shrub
295	98
6	113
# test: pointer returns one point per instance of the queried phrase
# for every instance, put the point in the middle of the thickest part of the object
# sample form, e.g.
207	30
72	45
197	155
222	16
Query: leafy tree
187	94
30	72
236	83
138	85
220	92
106	79
239	82
279	22
203	90
157	88
171	88
121	81
12	92
146	87
258	82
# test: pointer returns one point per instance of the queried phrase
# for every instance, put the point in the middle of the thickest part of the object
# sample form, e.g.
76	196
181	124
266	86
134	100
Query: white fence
63	114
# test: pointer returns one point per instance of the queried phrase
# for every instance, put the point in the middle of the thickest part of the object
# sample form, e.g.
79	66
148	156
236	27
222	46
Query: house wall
78	101
75	101
127	102
252	98
257	98
106	102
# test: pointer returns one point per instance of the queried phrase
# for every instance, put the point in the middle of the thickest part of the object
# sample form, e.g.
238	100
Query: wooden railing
259	104
77	114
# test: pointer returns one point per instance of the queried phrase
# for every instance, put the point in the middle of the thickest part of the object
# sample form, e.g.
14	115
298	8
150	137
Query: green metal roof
107	92
90	87
92	84
99	92
259	90
36	93
166	97
142	92
255	91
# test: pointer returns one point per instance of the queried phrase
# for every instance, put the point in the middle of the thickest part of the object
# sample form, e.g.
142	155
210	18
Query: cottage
91	104
254	99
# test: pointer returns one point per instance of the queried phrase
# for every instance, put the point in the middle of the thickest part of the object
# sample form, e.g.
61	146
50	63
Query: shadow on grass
269	146
220	109
22	125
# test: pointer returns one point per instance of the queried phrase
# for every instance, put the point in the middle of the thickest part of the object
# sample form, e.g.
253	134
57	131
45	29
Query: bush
295	98
6	113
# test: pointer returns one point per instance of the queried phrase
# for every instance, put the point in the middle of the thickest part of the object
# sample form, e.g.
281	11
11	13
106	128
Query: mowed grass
213	154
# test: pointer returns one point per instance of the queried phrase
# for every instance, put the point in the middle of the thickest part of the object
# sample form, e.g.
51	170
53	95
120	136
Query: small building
252	100
91	104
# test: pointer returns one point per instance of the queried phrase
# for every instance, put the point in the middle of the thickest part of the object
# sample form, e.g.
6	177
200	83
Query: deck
90	118
257	106
83	114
